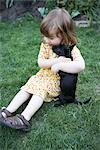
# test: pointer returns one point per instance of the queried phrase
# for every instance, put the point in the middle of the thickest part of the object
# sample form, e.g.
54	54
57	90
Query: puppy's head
63	50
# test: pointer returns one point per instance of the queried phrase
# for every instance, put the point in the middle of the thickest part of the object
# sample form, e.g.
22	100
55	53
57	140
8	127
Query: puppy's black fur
68	81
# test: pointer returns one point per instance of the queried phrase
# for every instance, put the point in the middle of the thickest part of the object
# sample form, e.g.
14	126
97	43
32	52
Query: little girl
57	28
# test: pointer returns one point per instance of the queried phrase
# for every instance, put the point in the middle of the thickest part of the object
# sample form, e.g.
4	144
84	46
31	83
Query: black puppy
68	81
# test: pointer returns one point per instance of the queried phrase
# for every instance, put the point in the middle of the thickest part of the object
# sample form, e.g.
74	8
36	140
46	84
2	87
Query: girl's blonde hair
59	23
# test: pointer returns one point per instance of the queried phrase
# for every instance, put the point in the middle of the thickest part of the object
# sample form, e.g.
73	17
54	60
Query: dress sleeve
76	53
43	52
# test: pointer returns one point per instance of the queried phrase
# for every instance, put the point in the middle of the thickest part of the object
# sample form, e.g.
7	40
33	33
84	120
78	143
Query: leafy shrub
87	7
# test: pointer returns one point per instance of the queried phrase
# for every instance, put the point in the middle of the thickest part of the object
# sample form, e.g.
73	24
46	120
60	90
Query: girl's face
52	41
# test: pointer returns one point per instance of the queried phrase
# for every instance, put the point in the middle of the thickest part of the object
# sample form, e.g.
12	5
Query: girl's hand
55	68
60	59
64	59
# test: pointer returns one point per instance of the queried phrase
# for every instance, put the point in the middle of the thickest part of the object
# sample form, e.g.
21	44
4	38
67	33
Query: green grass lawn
70	127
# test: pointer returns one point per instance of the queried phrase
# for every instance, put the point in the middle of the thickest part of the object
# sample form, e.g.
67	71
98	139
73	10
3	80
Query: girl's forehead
53	32
49	33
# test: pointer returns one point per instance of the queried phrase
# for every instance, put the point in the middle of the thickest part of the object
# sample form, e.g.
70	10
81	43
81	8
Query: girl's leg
21	121
18	100
34	104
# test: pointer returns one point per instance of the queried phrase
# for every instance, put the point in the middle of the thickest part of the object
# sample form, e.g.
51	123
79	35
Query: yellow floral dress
45	83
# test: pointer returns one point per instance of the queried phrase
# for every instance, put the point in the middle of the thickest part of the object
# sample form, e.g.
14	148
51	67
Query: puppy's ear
57	49
71	46
68	49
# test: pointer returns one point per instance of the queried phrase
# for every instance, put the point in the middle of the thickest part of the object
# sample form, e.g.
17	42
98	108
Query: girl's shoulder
75	49
75	52
45	51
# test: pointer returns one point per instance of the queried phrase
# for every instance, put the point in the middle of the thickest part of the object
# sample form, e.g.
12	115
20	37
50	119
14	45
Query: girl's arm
47	63
75	66
43	58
